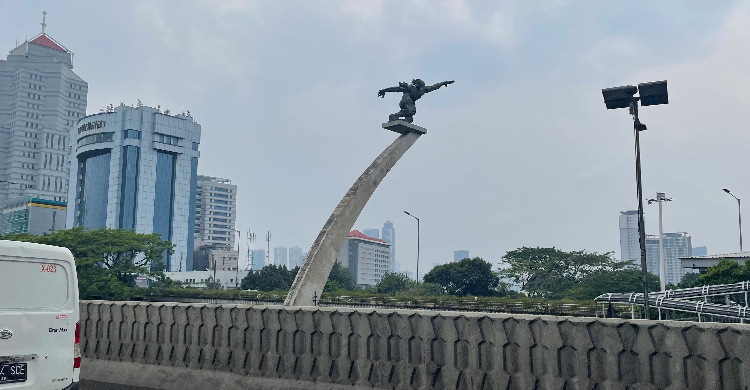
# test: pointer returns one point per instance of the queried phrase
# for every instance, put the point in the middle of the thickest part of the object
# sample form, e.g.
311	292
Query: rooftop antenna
268	253
44	19
250	240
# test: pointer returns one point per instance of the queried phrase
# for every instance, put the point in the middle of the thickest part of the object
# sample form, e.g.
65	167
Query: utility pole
237	269
661	198
407	213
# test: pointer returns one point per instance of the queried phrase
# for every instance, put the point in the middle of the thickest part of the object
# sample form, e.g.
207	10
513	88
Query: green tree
393	282
549	272
269	278
689	280
107	260
343	276
332	286
466	277
423	290
211	284
622	280
725	272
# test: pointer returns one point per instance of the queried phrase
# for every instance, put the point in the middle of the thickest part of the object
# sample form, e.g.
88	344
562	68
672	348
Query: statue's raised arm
402	87
438	85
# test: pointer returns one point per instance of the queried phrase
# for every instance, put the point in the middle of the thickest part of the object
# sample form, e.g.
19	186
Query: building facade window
93	188
135	134
129	194
95	139
163	198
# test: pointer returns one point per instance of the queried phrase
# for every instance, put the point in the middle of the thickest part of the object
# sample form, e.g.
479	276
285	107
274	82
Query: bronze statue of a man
412	93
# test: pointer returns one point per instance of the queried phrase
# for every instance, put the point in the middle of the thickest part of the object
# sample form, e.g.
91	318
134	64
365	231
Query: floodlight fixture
619	97
653	93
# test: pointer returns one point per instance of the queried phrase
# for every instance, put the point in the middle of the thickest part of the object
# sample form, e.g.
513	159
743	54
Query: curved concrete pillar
313	274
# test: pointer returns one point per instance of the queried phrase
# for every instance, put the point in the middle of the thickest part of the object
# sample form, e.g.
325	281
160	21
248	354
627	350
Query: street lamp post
661	197
739	209
237	274
652	93
407	213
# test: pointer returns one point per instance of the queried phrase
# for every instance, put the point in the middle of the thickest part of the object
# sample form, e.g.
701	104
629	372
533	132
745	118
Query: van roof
29	249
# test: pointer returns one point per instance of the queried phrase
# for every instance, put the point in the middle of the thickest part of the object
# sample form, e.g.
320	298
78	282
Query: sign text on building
91	126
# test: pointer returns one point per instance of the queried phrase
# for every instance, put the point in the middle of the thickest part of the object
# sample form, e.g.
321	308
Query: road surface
91	385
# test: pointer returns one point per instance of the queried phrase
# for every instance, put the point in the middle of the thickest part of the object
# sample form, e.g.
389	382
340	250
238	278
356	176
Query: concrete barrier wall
221	347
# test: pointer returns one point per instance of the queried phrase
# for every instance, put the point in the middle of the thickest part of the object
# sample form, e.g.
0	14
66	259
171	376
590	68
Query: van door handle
18	358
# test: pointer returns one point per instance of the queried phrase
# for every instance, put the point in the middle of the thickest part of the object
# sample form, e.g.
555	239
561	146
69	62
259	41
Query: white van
39	329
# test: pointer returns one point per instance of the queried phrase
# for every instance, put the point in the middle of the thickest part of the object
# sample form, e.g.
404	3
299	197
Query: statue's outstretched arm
438	85
400	88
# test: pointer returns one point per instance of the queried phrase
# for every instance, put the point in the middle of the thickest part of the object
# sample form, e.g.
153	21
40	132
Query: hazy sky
520	150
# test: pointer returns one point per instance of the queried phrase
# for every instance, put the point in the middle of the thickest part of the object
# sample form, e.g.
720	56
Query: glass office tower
136	168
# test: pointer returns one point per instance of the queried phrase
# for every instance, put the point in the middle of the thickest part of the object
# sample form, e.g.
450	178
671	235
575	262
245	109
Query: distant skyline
520	151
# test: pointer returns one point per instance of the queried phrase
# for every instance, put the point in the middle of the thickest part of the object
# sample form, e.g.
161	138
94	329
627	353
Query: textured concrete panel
264	347
313	274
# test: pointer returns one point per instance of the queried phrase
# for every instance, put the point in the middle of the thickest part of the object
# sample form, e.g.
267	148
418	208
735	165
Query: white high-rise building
215	212
368	258
676	245
136	168
389	236
41	99
629	246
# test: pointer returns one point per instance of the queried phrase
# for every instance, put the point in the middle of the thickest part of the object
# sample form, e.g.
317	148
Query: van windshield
32	285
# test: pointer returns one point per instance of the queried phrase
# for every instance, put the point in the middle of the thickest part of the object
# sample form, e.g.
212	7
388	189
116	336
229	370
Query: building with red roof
42	101
368	258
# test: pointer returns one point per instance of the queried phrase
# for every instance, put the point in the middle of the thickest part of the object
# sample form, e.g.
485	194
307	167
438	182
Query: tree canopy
343	278
622	280
466	277
549	272
393	282
269	278
107	260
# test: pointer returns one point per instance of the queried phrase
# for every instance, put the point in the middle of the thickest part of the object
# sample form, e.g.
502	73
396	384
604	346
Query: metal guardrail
706	291
679	300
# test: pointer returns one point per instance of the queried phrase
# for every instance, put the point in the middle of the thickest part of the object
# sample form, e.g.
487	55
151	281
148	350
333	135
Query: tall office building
700	251
676	245
460	255
389	236
135	168
629	246
368	258
208	257
215	212
296	257
280	256
374	233
41	98
258	259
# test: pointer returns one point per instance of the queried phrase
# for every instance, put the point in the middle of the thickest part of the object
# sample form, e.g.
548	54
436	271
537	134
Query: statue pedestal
403	127
313	273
